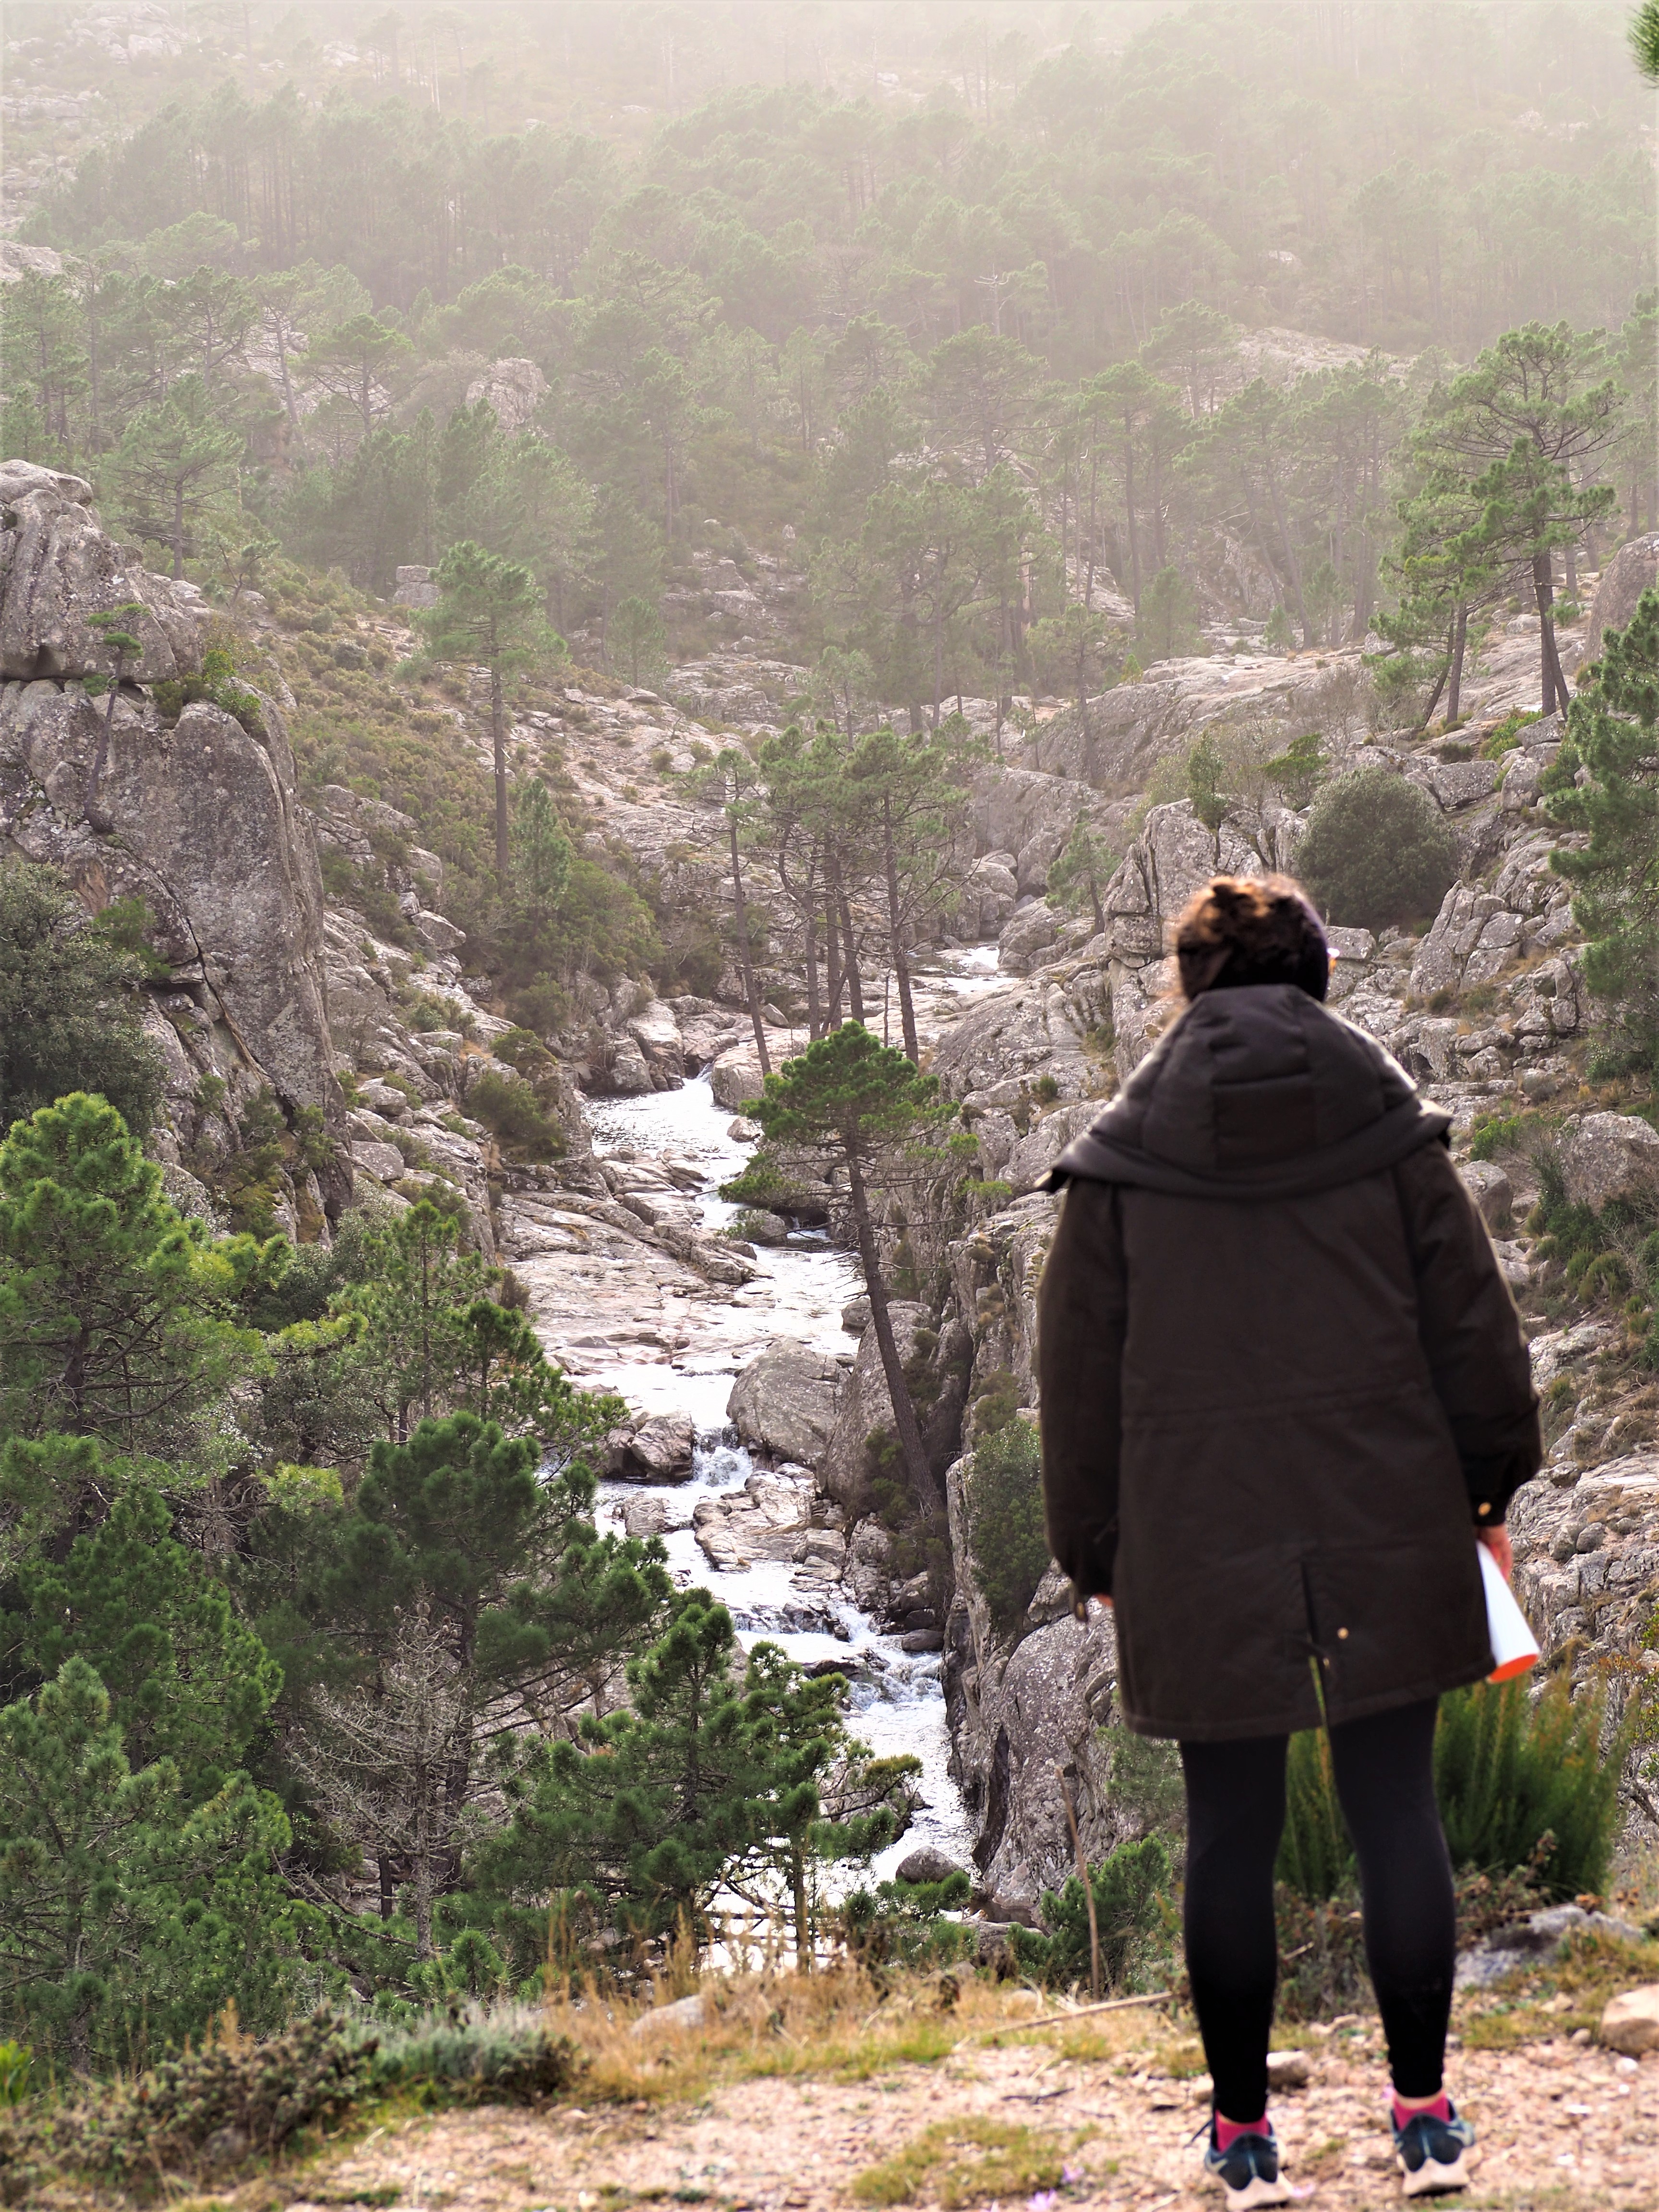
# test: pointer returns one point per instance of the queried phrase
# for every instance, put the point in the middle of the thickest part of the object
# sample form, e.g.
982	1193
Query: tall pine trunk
1459	640
498	744
1552	683
895	938
850	955
814	1003
745	954
913	1450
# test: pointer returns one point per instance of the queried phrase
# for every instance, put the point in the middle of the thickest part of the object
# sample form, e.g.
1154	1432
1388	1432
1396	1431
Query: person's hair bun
1244	929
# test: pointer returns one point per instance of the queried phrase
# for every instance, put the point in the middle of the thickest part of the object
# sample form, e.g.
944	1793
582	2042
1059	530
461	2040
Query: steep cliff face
197	816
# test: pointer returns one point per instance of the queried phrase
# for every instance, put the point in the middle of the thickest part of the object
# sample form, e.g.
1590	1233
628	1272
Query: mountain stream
896	1698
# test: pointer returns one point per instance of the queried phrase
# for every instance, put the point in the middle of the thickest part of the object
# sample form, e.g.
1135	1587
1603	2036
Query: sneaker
1433	2153
1248	2170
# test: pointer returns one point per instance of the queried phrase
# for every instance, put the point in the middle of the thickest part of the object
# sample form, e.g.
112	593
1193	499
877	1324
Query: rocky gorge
739	1340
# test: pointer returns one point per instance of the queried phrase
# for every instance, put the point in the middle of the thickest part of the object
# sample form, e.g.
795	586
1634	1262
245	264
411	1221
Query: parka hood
1256	1092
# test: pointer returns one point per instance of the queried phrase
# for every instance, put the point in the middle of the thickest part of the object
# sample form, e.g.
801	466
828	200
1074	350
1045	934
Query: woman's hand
1497	1541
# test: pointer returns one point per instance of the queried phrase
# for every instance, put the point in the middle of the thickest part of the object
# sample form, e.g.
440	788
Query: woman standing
1284	1389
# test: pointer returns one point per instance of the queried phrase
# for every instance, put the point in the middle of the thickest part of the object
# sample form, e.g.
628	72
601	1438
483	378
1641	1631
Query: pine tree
1613	731
462	1596
174	471
876	1115
118	1320
125	1914
186	1679
913	797
489	609
363	361
69	1004
729	777
1521	432
1083	871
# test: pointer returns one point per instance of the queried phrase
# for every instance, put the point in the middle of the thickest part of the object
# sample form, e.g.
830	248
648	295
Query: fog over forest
622	629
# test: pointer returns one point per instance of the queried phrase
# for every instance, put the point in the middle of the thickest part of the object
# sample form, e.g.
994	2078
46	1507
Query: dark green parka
1282	1377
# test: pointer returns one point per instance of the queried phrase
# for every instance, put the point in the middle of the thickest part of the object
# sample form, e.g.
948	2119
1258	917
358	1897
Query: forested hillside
1050	282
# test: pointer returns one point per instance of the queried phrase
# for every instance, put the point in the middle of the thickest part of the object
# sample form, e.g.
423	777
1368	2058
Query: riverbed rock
1026	935
1610	1157
769	1518
926	1864
646	1516
654	1030
656	1450
1050	1039
735	1077
784	1402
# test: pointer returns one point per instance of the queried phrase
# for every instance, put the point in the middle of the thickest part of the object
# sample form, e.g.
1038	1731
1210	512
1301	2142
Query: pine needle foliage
1522	1785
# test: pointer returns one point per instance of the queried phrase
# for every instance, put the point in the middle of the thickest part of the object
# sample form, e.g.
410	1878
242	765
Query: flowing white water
897	1698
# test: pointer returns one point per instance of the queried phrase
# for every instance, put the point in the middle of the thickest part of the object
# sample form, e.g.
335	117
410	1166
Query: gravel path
1563	2128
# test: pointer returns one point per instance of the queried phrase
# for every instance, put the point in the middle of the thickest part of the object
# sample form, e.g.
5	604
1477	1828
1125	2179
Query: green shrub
218	684
1507	736
244	2101
1005	1513
900	1924
1611	1256
506	1105
1130	1889
69	1000
1299	770
1376	852
1510	1773
1523	1789
17	2063
235	2100
506	2054
1316	1858
1148	1788
1322	1953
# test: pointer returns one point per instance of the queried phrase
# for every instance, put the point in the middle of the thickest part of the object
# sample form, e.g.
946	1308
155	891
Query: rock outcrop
197	816
784	1403
1631	571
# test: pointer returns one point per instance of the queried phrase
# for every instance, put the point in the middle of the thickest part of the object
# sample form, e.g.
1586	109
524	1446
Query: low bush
1507	736
510	1108
900	1924
1611	1257
1511	1774
1377	852
1526	1794
230	2100
1131	1889
1004	1512
236	2100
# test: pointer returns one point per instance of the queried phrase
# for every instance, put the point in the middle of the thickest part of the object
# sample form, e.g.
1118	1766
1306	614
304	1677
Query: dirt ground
1562	2129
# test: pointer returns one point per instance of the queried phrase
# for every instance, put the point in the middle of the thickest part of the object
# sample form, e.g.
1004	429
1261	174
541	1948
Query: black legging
1384	1771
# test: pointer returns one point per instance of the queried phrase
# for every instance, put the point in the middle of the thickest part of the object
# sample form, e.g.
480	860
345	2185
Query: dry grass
838	2023
1570	1995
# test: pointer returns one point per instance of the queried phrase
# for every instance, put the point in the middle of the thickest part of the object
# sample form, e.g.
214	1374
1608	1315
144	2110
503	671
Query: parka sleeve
1470	1334
1081	1312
